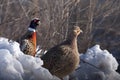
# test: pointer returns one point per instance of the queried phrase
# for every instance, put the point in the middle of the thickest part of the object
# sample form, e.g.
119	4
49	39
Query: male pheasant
28	40
63	58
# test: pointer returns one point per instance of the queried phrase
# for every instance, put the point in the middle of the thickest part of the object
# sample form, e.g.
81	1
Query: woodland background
99	20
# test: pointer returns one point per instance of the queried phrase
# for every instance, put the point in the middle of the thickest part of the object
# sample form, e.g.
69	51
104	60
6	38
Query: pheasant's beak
39	22
81	31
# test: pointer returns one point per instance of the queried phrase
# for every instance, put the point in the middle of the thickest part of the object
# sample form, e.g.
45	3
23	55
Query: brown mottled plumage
27	46
28	40
62	59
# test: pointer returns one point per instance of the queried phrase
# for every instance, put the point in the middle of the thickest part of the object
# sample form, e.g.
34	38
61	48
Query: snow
100	58
9	66
14	65
95	64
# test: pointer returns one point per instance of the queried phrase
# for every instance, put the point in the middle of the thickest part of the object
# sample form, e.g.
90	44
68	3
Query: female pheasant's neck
73	41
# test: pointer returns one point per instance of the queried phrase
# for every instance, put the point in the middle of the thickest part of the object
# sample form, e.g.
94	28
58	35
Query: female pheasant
28	40
63	58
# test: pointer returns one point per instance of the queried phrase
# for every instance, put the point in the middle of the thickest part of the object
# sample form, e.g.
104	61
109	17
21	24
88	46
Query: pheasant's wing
50	57
54	58
23	44
24	40
27	35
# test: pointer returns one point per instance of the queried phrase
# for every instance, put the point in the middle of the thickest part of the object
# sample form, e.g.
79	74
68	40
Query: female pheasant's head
34	23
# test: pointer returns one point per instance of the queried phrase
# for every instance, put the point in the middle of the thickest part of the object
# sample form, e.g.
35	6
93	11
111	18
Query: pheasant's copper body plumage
28	40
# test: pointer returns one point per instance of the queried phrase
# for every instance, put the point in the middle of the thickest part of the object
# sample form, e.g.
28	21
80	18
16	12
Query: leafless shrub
57	16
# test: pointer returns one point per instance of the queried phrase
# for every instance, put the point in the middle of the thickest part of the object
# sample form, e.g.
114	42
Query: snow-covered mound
97	64
14	65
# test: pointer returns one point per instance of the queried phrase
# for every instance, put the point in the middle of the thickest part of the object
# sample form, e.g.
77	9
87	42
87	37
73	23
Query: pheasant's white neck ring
31	29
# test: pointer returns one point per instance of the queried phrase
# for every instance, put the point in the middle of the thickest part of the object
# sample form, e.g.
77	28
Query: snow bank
14	65
102	65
